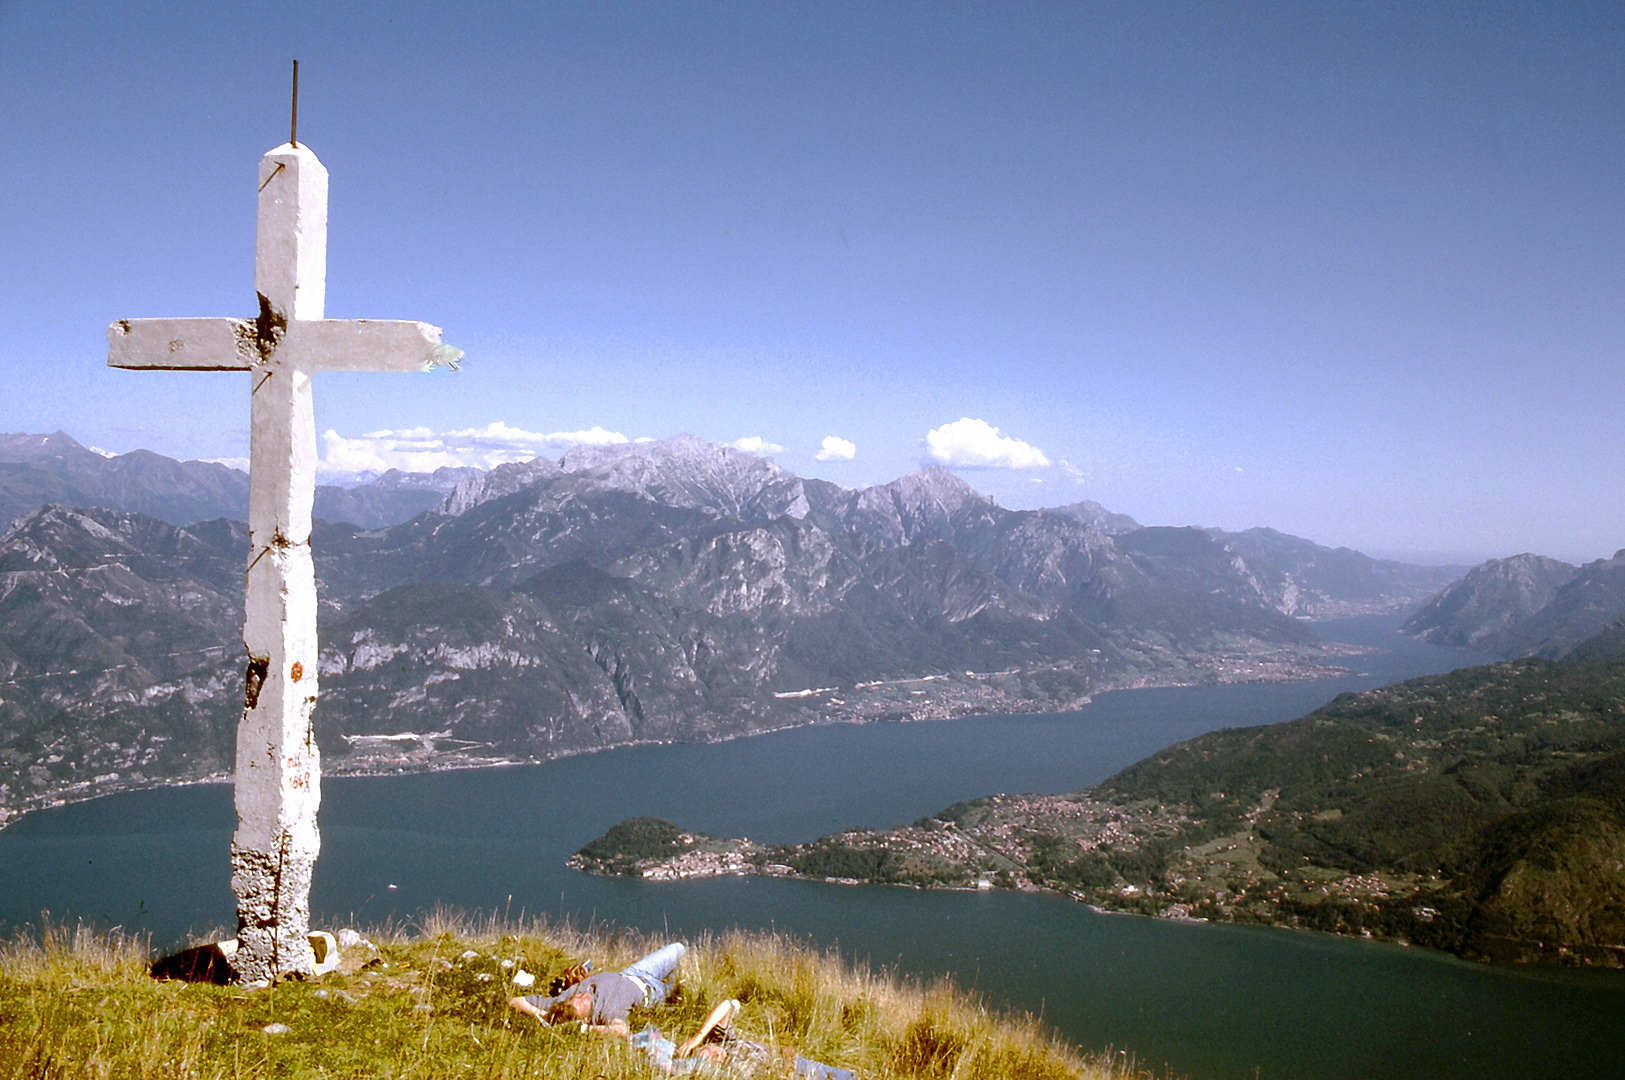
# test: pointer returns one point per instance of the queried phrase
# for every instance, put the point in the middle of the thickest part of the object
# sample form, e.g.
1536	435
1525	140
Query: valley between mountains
655	592
680	591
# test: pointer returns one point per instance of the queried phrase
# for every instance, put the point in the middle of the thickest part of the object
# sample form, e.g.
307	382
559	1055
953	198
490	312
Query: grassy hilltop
435	1005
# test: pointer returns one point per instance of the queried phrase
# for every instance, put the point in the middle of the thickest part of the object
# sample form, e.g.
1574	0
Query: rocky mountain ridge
1092	513
1305	579
648	592
1477	611
1525	606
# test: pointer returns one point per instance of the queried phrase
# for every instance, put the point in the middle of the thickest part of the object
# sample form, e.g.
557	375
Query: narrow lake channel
1208	1002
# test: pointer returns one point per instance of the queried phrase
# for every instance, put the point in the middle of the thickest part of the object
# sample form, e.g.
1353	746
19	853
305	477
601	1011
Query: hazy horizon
1423	558
1352	273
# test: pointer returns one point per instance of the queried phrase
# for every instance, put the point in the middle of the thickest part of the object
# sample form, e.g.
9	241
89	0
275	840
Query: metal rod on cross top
293	123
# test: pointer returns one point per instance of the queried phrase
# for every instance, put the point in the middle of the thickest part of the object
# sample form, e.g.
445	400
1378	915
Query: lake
1206	1001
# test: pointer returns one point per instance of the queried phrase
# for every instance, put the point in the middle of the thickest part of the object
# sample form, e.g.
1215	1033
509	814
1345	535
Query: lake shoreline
1208	1001
428	762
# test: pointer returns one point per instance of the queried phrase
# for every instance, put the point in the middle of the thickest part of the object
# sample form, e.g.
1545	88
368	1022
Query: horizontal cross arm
363	345
182	344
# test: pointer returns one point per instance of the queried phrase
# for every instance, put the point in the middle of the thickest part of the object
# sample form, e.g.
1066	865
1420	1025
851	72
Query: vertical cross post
278	785
278	775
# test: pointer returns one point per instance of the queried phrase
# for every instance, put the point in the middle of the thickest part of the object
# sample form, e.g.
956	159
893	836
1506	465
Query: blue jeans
819	1071
657	972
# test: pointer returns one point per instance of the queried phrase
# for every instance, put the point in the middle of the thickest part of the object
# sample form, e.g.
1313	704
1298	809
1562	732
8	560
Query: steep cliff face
502	480
391	498
927	505
1581	608
932	578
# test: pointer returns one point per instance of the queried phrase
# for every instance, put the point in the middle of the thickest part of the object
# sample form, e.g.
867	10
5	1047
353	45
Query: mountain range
1306	579
650	592
54	468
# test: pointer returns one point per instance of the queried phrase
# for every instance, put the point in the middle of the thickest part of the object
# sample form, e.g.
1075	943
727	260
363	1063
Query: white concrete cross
278	780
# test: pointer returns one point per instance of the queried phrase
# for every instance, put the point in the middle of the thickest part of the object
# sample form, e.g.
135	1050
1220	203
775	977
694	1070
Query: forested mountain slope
1481	812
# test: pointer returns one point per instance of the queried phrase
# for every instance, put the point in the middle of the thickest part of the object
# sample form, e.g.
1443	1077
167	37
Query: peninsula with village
1481	812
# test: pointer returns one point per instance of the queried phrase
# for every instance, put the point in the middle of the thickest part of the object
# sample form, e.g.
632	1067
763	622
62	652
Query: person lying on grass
601	1001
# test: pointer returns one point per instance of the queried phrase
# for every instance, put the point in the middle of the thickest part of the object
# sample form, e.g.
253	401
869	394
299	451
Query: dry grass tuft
75	1002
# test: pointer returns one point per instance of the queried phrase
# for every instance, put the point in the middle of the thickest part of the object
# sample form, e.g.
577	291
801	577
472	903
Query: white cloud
976	444
424	450
755	444
835	448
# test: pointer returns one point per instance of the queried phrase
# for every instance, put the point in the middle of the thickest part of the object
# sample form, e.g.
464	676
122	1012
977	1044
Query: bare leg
719	1017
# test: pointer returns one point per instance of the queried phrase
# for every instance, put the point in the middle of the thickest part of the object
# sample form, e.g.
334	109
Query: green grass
77	1003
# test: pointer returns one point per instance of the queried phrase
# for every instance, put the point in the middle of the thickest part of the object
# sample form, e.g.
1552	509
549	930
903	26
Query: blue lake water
1206	1001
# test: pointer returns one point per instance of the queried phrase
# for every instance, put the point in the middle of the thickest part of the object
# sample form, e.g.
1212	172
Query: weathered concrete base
273	915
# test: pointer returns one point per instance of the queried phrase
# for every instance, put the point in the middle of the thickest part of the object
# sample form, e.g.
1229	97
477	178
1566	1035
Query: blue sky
1351	271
